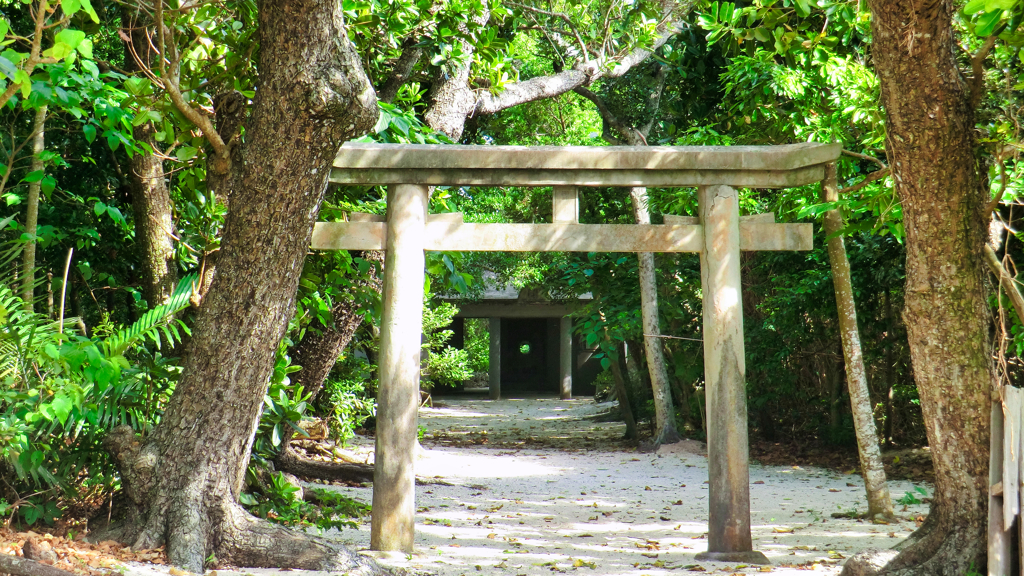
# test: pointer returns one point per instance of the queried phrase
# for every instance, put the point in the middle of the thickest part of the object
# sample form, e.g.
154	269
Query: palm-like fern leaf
155	320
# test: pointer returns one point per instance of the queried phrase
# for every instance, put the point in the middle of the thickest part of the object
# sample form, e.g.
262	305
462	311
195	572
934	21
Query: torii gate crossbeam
718	235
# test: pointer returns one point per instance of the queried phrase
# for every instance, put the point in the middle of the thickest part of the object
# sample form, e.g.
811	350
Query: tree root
24	567
249	541
199	520
289	461
929	551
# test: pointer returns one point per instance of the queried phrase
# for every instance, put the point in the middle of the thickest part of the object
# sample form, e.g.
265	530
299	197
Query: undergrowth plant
60	392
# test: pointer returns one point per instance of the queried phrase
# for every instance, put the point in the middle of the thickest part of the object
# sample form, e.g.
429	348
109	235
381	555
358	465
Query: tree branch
978	69
881	165
171	83
654	103
561	15
876	175
404	66
34	59
582	74
608	120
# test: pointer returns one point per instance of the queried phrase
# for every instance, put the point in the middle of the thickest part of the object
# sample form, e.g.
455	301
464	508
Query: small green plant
346	403
911	497
283	406
277	500
445	366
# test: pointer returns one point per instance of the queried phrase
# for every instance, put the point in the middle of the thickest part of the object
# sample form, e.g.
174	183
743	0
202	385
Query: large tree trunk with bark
931	149
871	467
185	478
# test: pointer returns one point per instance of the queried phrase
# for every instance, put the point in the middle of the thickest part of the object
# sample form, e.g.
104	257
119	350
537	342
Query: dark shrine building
532	349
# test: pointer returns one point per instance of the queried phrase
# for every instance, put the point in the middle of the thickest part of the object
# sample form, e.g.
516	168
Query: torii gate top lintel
783	166
718	234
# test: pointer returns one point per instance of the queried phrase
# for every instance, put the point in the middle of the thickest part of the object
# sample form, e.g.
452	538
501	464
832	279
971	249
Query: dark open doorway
529	356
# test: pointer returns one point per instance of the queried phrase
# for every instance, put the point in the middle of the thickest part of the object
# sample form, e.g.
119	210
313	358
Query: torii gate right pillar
724	369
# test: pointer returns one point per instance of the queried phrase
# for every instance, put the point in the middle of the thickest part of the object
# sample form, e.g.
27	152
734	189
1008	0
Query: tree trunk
154	224
151	201
872	469
664	413
834	384
186	477
931	148
319	350
621	391
321	345
289	461
28	270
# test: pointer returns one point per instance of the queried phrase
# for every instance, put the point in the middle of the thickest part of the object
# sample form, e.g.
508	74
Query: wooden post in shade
394	481
565	357
494	370
724	368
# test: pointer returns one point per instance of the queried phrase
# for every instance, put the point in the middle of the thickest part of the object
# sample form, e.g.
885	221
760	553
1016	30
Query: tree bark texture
321	345
154	224
404	66
872	469
28	270
186	477
664	413
151	201
931	149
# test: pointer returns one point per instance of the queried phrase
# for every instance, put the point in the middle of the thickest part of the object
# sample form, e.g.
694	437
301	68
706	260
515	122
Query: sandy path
537	486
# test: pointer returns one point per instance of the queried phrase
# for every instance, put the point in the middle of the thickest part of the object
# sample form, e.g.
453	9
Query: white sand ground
516	507
500	500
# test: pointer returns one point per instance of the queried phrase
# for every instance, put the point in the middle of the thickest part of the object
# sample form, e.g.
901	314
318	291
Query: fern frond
149	325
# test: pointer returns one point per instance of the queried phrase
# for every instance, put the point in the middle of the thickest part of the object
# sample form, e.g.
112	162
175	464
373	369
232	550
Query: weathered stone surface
565	205
394	507
652	158
724	369
494	351
455	236
578	177
565	358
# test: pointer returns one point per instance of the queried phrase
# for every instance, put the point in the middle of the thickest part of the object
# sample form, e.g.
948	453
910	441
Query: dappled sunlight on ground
551	489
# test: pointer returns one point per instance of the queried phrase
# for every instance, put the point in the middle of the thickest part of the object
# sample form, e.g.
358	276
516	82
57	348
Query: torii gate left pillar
719	234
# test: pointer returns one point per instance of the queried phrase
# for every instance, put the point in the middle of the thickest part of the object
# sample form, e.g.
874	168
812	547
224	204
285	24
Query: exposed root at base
927	552
289	461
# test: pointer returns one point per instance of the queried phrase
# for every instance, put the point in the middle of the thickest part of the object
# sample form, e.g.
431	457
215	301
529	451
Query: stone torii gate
718	235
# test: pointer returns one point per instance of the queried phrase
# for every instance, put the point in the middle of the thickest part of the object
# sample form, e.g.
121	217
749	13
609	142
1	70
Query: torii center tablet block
718	235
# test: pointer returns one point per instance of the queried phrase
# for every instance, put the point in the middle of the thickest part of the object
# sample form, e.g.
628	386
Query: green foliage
445	366
284	404
913	497
156	321
277	501
61	393
347	403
